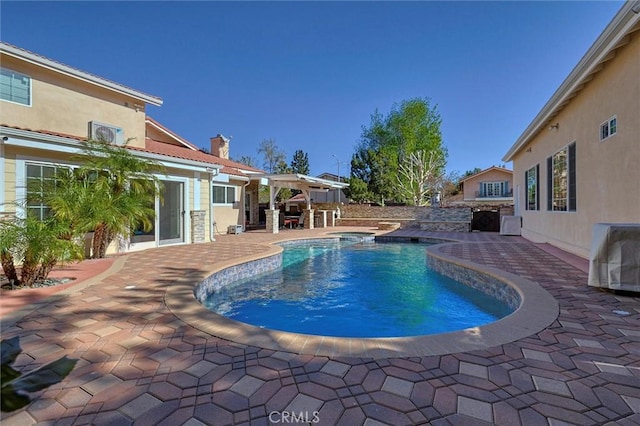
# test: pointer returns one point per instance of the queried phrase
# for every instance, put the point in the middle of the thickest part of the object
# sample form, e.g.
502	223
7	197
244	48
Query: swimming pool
346	288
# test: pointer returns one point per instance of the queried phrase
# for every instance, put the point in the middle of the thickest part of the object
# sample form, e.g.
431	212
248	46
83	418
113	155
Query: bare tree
418	175
448	185
272	155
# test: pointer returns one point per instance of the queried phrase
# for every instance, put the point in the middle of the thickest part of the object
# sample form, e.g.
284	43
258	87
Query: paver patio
138	363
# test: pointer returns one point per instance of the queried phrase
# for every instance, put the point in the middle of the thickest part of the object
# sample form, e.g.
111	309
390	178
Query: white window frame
41	207
609	128
492	187
30	91
21	178
226	192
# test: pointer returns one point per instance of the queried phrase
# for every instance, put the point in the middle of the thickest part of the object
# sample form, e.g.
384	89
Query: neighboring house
333	195
577	163
490	186
48	108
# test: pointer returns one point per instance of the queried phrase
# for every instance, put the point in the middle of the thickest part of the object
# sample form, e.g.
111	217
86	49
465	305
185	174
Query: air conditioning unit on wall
106	132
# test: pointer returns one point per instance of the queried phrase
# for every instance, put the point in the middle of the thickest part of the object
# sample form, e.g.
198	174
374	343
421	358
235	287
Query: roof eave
81	75
625	20
76	144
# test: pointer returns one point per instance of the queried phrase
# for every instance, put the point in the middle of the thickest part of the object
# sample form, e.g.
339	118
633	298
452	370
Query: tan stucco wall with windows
229	214
607	172
472	185
64	104
12	153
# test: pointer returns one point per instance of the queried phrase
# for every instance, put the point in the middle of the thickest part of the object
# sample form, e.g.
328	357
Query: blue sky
310	74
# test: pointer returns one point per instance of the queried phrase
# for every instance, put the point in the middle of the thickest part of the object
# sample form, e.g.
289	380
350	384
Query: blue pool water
351	289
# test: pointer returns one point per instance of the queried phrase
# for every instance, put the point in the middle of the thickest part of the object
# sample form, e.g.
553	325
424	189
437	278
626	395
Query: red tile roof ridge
172	133
162	148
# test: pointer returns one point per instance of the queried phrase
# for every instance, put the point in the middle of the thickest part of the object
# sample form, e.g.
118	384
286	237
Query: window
533	195
223	194
561	180
493	189
39	176
609	128
15	87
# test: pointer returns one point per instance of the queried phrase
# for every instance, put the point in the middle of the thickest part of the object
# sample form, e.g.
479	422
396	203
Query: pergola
305	184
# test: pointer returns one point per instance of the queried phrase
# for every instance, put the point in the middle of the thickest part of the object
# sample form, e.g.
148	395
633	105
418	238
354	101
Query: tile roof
155	147
228	166
46	132
172	134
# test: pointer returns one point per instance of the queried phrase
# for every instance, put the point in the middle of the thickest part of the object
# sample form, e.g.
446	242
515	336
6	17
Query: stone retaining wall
481	281
447	219
373	222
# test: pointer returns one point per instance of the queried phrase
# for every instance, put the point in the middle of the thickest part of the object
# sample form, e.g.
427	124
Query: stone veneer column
273	221
197	226
308	219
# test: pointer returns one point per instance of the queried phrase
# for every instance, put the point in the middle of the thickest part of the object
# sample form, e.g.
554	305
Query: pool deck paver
140	364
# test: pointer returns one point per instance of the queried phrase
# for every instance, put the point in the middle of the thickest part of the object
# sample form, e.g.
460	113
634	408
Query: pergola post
273	220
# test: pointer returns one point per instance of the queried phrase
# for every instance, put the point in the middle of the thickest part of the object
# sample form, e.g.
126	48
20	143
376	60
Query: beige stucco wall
226	215
11	153
607	172
9	180
64	104
472	184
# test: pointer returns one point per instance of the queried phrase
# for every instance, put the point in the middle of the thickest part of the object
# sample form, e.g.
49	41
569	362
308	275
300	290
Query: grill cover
614	262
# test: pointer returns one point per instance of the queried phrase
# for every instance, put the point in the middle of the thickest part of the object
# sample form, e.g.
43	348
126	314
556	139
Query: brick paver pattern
140	364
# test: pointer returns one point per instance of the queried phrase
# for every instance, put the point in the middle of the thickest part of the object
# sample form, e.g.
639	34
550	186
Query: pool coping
538	309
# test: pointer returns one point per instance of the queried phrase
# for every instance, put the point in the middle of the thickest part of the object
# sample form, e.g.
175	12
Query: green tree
111	194
271	154
285	193
412	125
300	163
475	171
357	191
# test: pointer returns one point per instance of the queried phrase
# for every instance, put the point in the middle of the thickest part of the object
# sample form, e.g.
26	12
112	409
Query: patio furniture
301	220
291	221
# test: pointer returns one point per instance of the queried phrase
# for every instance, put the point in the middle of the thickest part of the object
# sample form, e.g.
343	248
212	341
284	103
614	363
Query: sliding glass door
171	213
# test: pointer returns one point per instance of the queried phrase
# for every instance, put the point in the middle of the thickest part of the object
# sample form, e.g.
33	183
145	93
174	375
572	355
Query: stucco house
334	195
493	185
577	163
48	109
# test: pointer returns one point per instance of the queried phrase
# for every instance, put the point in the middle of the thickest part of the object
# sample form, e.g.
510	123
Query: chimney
220	146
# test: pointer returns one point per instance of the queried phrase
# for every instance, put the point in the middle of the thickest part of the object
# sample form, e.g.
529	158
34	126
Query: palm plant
9	248
38	245
47	245
110	194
